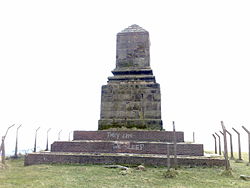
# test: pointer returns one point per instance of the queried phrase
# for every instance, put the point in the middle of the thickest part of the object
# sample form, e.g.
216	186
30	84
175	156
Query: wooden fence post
215	144
175	147
225	146
239	145
248	132
219	143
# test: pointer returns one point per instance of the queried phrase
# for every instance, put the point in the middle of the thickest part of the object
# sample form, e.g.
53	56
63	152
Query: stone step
160	136
105	158
104	146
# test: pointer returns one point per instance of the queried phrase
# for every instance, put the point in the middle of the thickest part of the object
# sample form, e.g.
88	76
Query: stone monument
130	125
132	98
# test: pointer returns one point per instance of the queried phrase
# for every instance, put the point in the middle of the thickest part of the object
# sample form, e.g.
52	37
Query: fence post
70	134
225	146
231	145
219	143
248	132
215	144
193	137
3	145
3	151
59	134
175	147
168	156
15	156
35	139
239	145
47	143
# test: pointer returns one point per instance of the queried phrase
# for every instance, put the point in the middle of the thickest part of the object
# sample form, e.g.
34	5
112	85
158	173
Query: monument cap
132	49
132	29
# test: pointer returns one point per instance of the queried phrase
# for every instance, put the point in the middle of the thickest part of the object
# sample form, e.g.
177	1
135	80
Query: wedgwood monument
130	126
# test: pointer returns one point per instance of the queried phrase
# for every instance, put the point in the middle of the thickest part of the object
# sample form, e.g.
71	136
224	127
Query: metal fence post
47	143
193	137
239	145
168	156
215	144
219	143
248	132
15	156
175	147
3	145
70	134
59	134
35	139
231	144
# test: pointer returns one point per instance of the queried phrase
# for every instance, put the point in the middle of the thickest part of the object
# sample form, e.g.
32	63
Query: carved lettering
127	136
128	146
117	136
112	135
116	146
136	147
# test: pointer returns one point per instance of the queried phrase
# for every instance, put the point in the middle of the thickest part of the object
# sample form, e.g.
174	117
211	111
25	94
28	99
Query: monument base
126	159
122	147
147	124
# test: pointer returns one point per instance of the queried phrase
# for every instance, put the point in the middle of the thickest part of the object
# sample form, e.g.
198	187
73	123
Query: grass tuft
170	173
227	173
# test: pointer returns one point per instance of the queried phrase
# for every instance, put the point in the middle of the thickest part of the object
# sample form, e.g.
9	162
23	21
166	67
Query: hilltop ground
14	174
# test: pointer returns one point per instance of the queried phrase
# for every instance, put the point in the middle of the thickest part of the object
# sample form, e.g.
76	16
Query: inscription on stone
116	136
128	146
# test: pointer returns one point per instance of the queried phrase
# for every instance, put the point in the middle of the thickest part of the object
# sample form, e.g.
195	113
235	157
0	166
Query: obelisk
131	98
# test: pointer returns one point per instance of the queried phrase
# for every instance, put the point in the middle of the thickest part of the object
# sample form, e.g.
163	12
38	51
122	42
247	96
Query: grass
62	176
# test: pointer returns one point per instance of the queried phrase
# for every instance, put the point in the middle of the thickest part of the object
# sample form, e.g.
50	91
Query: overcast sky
56	55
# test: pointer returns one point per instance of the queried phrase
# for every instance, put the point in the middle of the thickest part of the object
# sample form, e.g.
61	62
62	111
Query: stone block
154	136
136	147
149	160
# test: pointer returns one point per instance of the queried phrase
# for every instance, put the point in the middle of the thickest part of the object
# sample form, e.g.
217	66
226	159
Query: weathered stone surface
142	147
156	136
156	160
132	98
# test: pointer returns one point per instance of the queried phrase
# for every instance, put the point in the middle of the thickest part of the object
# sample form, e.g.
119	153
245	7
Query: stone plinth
136	147
137	142
156	136
132	159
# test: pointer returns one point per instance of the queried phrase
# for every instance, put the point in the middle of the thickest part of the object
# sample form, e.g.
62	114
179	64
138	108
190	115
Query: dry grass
16	175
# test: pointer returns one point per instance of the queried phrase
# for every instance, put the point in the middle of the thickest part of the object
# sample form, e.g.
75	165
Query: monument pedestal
135	142
123	147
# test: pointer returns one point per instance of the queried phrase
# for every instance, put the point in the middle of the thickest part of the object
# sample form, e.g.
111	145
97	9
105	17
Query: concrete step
136	147
160	136
106	158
